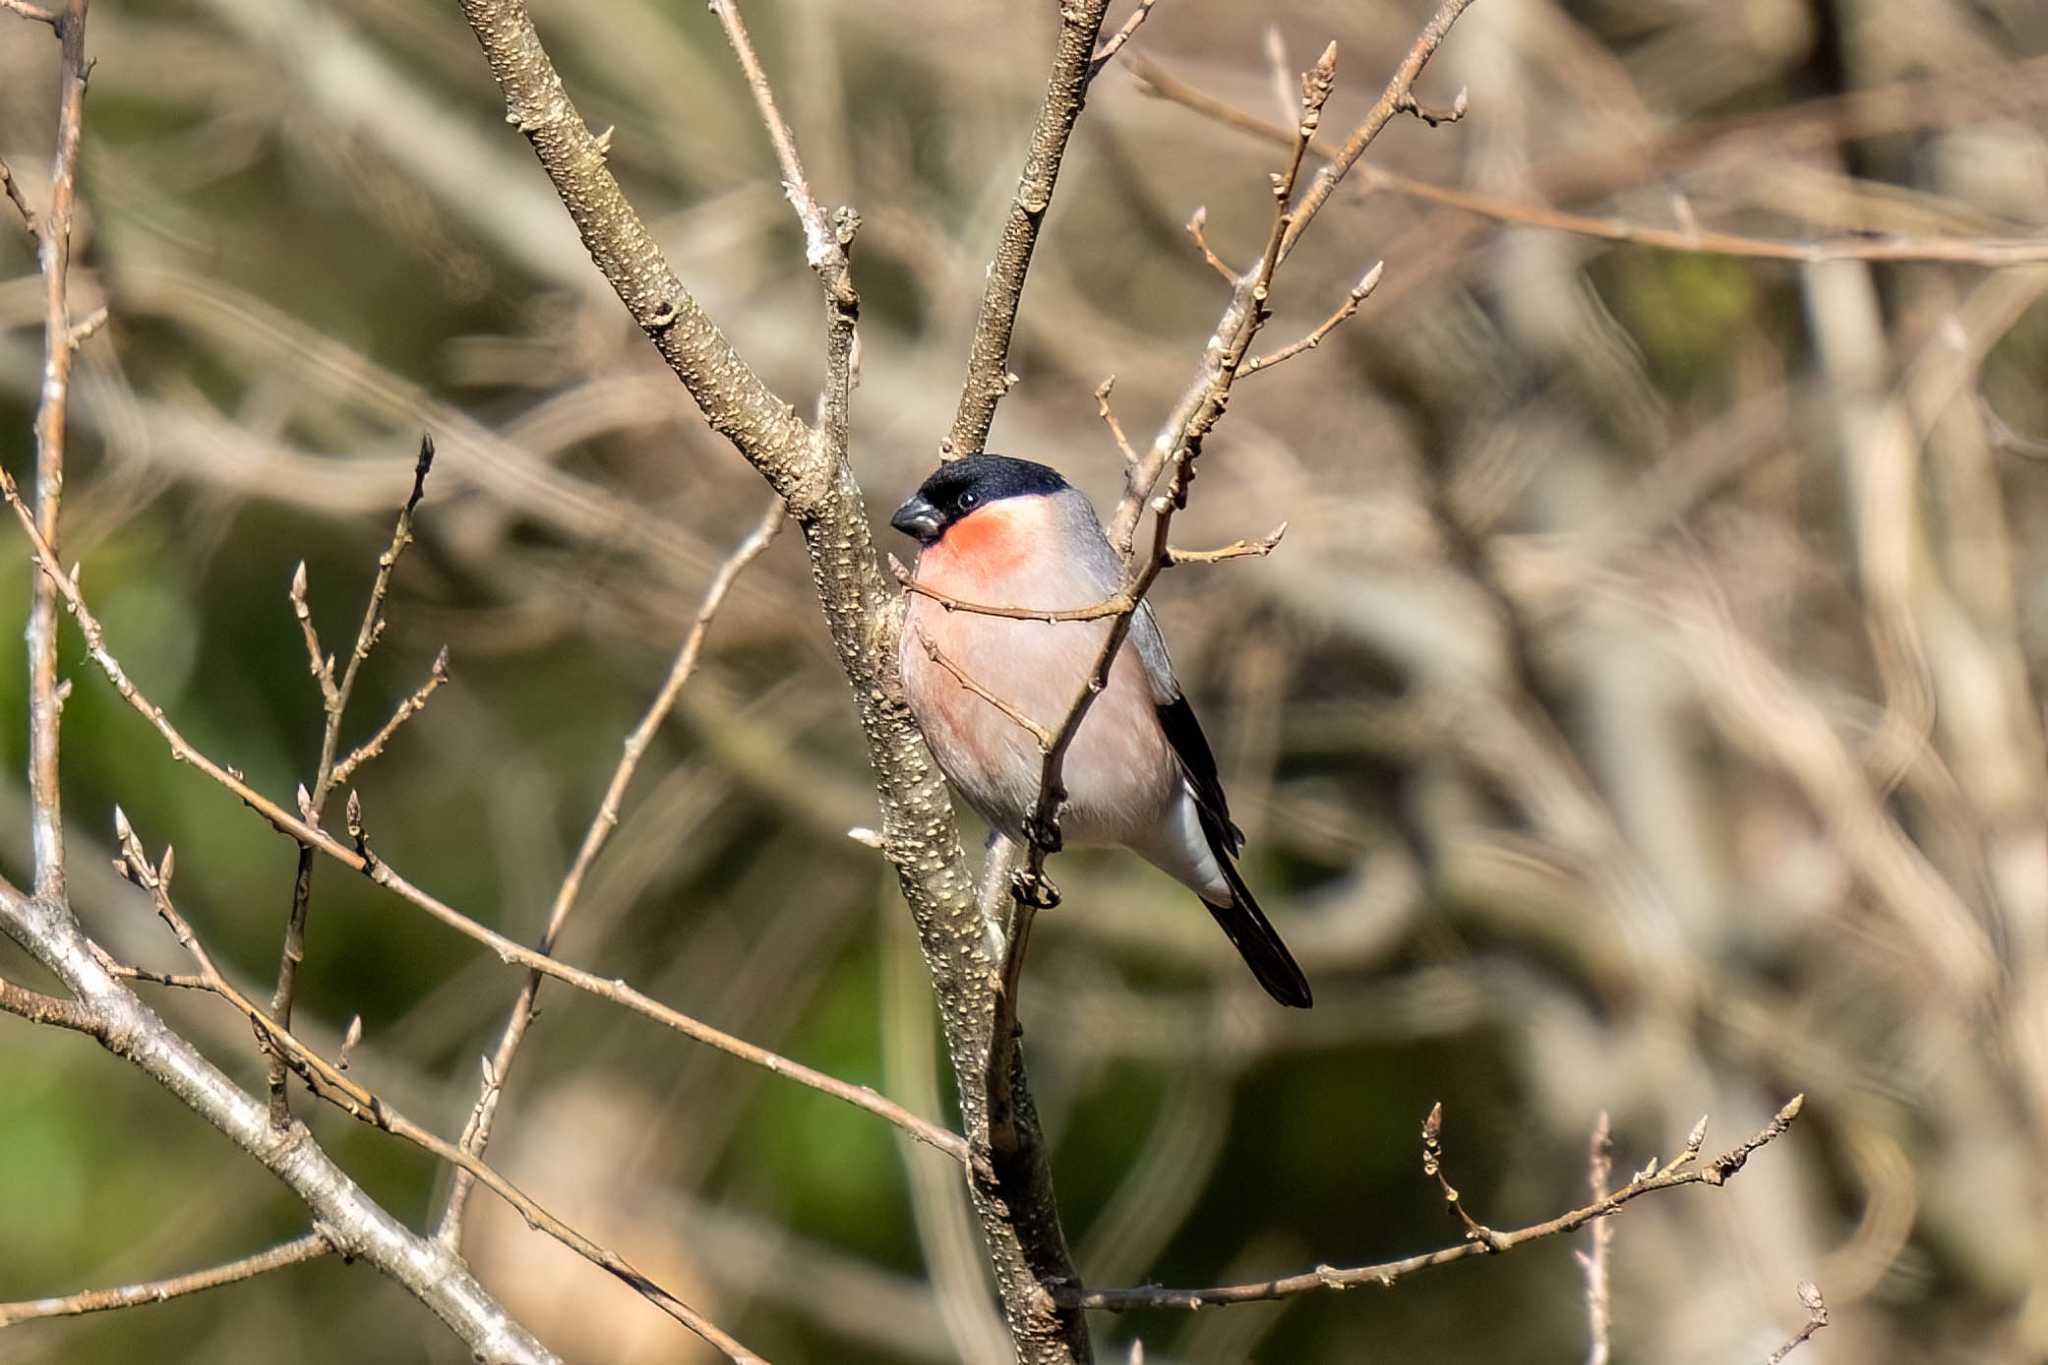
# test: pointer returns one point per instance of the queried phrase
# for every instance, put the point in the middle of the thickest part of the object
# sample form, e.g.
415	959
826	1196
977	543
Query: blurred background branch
1643	712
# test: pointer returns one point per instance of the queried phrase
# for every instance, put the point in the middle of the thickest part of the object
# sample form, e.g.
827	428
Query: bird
1002	532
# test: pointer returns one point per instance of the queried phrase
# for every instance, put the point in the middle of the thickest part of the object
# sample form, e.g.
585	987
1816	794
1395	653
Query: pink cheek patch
983	544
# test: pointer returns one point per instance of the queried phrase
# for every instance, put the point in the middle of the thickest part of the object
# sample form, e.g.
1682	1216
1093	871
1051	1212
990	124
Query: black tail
1256	941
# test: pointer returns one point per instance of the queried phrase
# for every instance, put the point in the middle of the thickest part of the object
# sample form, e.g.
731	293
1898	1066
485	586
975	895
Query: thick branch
1012	1187
988	355
734	399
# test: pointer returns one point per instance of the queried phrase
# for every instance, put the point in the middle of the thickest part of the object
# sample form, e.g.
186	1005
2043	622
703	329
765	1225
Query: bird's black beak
918	519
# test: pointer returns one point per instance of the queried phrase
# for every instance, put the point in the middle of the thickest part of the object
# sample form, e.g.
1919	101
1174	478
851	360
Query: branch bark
1011	1183
988	355
46	700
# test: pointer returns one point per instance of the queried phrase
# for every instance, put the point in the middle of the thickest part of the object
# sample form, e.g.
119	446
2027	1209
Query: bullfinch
1002	532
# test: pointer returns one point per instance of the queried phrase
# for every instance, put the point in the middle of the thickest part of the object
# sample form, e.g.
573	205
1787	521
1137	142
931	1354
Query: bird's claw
1034	889
1043	835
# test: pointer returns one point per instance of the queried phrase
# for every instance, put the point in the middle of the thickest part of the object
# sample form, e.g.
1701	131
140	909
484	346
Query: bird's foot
1034	889
1043	835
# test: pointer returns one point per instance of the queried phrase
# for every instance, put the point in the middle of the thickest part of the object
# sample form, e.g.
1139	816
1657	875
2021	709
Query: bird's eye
969	501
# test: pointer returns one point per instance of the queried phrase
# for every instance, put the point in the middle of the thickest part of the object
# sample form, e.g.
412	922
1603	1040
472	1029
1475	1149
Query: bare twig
31	11
823	249
1228	353
1431	114
1360	292
476	1134
380	872
406	710
1109	418
1258	548
1599	1302
334	697
988	355
1181	434
1105	54
87	327
1015	717
12	187
1433	1168
1386	1273
1095	611
46	702
1198	229
1816	1318
299	1250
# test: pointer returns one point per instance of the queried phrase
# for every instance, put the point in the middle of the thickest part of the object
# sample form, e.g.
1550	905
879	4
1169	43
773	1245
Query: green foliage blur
1538	861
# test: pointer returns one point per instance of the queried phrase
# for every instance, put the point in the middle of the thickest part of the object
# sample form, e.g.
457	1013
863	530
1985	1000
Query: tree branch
988	355
299	1250
738	405
1384	1274
46	700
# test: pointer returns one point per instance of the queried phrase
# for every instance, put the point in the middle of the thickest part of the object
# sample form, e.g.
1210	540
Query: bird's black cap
957	487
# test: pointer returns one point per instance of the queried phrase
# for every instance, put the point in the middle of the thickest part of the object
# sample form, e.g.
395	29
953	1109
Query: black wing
1198	766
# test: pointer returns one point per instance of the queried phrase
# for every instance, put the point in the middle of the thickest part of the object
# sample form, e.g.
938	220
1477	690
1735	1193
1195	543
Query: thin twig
87	327
1015	717
1816	1318
1599	1301
334	698
822	248
988	354
299	1250
1198	228
12	187
1386	1273
1042	823
1432	114
1236	549
1105	54
1109	418
1095	611
406	710
46	702
1360	292
1433	1168
32	11
381	873
476	1133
